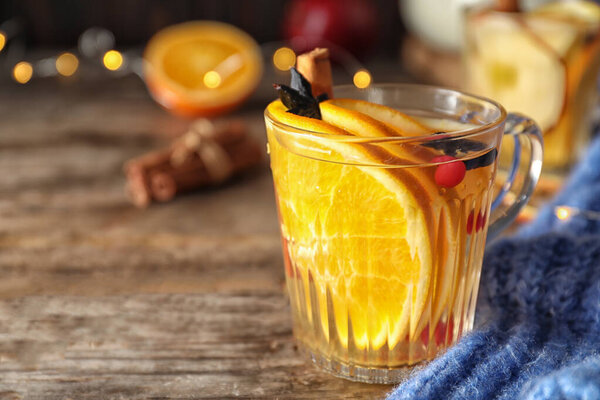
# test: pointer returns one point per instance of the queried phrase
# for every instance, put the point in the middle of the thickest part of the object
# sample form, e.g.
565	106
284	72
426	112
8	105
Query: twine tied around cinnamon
208	154
200	140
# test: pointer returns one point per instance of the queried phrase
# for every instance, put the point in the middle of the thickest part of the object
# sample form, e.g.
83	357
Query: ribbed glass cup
360	311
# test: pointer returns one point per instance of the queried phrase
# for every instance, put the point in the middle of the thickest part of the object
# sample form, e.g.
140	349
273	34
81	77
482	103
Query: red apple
350	24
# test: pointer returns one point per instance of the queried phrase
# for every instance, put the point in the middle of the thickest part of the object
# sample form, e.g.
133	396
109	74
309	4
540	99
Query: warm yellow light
112	60
67	64
284	58
22	72
2	40
212	79
362	79
562	213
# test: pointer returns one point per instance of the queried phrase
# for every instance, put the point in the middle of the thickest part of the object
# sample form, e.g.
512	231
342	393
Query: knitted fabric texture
538	317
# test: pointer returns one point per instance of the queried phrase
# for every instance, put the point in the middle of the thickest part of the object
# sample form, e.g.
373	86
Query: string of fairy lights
565	213
66	64
94	43
98	44
284	58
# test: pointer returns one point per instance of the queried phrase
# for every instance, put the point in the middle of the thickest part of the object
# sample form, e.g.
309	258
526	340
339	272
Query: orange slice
201	68
361	235
358	123
361	124
444	124
402	123
383	121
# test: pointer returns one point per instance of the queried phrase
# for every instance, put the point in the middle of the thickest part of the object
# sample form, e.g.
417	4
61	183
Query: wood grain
200	346
100	300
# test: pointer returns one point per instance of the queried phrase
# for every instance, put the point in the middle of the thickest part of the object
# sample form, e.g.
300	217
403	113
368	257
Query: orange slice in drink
379	121
363	118
443	124
361	235
201	68
402	123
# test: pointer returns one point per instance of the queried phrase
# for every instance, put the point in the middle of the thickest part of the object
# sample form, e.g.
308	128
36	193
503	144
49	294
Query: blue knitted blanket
538	334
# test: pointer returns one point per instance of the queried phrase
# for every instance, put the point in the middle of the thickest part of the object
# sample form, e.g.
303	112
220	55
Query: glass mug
382	264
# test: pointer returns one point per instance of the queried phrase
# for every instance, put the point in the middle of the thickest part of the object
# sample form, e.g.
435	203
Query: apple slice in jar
514	65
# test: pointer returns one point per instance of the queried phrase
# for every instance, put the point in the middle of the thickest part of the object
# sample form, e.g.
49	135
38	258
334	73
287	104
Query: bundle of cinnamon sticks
207	155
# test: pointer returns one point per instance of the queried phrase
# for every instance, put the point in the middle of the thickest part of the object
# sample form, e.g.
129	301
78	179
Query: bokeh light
362	79
67	64
22	72
562	213
113	60
212	79
2	40
284	58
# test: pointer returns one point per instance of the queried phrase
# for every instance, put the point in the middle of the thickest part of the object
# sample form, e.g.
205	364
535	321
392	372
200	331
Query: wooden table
101	300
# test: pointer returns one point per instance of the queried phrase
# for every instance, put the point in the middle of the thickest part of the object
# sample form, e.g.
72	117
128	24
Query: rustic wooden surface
101	300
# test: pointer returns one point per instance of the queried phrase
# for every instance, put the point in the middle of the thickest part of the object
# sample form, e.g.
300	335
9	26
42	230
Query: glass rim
462	133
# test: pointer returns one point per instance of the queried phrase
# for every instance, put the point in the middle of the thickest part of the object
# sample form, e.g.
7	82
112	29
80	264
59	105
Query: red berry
481	218
450	174
470	223
479	222
442	331
425	336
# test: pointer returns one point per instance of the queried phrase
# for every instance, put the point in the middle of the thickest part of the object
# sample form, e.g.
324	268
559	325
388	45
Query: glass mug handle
527	142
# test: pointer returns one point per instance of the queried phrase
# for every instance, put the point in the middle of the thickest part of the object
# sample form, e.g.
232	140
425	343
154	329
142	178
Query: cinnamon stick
138	190
166	184
316	68
207	155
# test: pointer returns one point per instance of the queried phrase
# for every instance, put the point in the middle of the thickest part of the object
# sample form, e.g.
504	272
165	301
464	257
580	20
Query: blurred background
95	48
59	23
